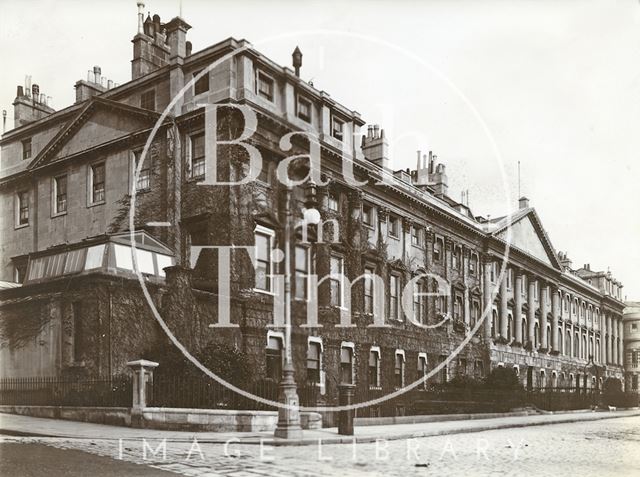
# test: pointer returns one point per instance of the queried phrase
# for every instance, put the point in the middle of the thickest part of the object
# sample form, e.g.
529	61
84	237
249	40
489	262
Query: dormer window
304	109
26	149
337	128
265	85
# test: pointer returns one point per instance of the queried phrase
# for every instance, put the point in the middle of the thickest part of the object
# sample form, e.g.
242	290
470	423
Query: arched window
536	335
525	338
548	343
576	346
584	347
509	327
567	343
494	324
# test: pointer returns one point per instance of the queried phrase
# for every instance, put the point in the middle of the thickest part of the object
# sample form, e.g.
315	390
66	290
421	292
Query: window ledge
95	204
21	226
58	214
263	292
143	191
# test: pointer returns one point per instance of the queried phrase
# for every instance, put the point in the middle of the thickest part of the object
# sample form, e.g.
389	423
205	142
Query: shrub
502	378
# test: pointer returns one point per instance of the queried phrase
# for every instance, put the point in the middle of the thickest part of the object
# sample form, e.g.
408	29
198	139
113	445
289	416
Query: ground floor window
314	354
399	369
374	368
346	365
274	358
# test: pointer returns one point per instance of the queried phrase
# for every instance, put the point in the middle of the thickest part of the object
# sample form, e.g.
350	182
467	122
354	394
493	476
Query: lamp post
289	415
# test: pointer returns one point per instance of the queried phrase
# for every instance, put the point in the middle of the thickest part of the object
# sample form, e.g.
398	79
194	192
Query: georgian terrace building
72	304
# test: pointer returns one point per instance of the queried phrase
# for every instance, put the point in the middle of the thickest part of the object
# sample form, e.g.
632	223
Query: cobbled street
605	447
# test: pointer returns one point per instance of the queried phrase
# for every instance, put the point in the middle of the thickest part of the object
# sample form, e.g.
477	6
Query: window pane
94	257
75	259
123	257
163	262
145	261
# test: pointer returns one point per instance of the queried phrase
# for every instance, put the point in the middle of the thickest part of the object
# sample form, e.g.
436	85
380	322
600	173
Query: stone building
66	180
631	321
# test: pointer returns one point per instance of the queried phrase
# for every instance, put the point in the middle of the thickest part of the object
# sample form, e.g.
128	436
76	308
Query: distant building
65	182
631	321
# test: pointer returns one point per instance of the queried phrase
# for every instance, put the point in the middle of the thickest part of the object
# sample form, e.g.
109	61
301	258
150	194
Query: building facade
631	322
72	303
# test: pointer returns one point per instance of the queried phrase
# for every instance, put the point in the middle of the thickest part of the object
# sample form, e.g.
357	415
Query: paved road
605	447
37	460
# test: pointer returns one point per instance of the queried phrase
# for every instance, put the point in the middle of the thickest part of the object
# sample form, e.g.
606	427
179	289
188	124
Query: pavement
602	444
16	425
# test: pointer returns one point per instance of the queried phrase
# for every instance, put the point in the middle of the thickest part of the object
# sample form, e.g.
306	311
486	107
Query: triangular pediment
527	235
100	122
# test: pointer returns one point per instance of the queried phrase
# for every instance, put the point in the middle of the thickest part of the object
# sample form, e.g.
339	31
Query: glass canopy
110	254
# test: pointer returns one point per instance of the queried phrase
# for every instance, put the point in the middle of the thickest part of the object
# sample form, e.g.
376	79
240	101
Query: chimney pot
523	203
20	92
97	72
35	91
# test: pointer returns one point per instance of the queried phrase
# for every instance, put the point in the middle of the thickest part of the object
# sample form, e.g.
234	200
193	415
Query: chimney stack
375	146
150	47
94	85
523	203
4	121
297	60
29	107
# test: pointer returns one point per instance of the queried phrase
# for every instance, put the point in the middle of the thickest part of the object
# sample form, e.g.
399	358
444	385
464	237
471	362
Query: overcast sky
556	85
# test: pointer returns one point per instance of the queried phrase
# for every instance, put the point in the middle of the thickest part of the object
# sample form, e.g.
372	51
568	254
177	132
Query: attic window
337	129
148	100
304	109
265	86
202	84
26	149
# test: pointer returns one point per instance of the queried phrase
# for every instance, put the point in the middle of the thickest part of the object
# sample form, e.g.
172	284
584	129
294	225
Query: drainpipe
109	329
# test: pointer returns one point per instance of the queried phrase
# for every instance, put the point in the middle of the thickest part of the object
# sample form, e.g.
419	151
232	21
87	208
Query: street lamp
288	426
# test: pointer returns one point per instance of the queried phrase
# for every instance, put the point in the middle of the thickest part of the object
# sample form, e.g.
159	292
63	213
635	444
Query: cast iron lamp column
289	415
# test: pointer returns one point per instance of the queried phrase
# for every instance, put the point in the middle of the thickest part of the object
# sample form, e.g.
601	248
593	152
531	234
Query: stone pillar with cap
142	371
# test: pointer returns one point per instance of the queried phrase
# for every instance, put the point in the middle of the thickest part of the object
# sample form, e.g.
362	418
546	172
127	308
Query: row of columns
613	351
611	348
518	305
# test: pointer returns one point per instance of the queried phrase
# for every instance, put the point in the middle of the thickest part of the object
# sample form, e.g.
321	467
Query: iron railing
114	391
185	391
